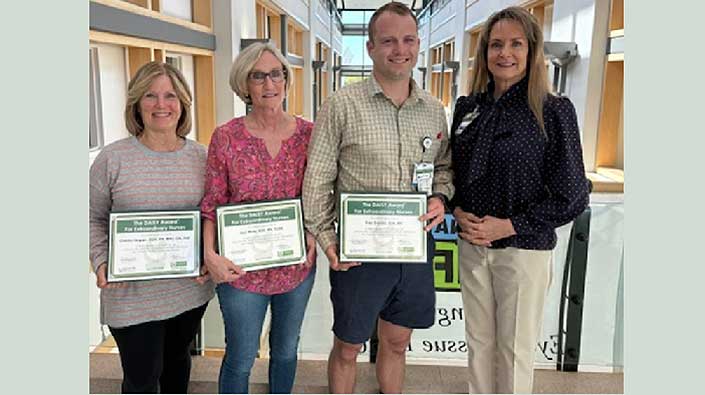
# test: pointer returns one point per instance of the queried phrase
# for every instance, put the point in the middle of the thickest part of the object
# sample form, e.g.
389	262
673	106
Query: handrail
570	314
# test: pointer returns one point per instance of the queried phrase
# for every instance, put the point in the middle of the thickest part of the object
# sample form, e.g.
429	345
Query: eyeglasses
275	75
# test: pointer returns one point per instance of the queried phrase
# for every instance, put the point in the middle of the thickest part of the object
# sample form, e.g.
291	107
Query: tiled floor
105	377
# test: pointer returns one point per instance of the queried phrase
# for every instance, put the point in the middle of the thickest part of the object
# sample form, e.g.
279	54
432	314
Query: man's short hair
393	6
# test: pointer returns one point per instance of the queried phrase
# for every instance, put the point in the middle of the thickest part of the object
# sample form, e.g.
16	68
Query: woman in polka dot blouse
518	175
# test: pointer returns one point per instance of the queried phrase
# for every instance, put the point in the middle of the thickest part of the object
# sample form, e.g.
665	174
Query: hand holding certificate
154	245
262	235
377	227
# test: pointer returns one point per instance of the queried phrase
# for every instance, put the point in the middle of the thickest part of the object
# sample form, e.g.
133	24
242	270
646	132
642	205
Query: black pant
155	355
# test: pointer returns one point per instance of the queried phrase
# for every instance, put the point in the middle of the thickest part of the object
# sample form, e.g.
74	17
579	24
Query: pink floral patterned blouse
240	169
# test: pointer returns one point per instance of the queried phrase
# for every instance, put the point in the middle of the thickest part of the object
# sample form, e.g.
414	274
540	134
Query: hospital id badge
423	177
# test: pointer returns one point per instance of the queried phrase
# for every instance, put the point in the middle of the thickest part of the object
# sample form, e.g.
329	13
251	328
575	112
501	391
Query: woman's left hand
487	230
310	250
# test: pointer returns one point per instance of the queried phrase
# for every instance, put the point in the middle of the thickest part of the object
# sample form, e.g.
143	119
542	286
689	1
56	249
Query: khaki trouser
503	294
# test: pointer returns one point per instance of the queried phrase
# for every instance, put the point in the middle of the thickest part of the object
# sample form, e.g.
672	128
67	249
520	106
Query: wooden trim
446	99
214	352
295	96
160	55
261	20
473	42
107	346
610	115
294	40
137	57
118	39
156	5
202	11
204	92
299	91
275	29
617	15
611	173
538	11
139	3
135	9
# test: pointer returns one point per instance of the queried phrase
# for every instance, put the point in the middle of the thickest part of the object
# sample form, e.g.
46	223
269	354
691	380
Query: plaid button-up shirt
363	142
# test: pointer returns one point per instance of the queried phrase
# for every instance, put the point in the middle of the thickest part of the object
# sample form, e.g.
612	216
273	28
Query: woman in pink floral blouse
261	156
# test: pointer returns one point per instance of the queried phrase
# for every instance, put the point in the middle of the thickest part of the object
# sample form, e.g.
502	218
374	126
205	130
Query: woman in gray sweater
157	168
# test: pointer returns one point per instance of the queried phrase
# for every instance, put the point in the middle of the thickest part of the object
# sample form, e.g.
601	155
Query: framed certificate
151	245
262	235
382	227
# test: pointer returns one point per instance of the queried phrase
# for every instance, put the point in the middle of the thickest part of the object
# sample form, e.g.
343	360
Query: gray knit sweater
125	176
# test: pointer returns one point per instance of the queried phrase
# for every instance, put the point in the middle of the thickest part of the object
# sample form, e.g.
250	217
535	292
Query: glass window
175	61
354	51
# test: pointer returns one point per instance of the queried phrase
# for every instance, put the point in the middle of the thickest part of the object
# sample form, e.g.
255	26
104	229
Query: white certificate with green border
382	227
262	235
151	245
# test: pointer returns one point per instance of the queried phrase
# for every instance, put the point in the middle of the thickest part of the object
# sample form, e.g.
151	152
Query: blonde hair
538	88
245	62
139	85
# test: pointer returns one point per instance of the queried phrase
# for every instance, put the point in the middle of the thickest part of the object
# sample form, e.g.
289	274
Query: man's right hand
335	264
221	269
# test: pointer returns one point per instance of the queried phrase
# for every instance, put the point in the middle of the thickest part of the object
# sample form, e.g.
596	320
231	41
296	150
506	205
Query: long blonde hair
538	88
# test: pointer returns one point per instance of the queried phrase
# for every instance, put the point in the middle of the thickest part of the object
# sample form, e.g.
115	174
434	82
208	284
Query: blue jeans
243	316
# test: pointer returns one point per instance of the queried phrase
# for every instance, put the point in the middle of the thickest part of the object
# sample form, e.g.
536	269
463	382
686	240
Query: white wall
178	8
321	26
337	39
573	21
424	46
188	71
296	9
442	24
231	23
113	88
482	9
309	52
95	330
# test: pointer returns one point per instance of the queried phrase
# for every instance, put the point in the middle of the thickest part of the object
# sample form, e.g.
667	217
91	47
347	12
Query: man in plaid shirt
369	137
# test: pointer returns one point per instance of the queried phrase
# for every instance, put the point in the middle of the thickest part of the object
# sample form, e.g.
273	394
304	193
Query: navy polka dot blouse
506	167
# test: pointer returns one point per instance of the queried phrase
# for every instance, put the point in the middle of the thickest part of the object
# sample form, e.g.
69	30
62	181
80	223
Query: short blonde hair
538	88
245	62
139	85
